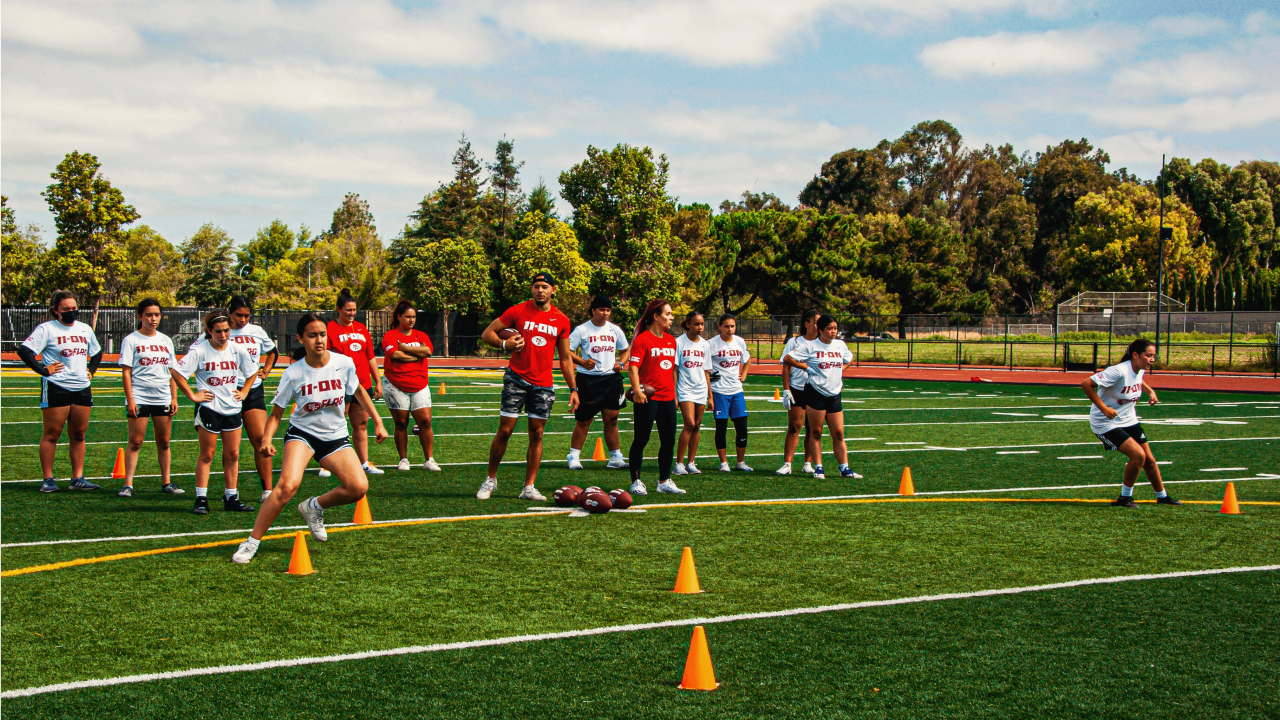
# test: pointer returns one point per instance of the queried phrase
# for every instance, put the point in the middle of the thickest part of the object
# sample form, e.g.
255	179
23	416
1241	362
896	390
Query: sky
240	112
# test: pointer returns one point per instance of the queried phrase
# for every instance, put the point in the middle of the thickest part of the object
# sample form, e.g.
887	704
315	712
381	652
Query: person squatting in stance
150	393
823	360
219	367
693	389
69	356
319	383
794	382
527	385
600	350
730	363
351	338
404	361
1115	393
653	363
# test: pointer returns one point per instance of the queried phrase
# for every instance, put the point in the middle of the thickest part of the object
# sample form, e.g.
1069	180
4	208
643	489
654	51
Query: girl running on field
150	393
351	338
320	383
69	356
404	360
653	363
824	360
219	366
794	382
730	363
1115	393
693	389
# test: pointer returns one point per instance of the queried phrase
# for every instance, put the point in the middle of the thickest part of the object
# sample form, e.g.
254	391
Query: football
508	334
567	496
649	390
621	499
593	488
596	502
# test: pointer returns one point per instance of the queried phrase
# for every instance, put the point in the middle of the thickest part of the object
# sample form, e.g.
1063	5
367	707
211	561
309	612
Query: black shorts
814	400
53	395
599	392
321	448
145	411
1113	439
255	400
800	398
519	395
352	397
216	422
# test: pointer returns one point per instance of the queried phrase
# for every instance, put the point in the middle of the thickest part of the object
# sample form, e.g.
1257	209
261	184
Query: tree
931	160
504	197
453	210
353	213
449	275
555	251
206	261
354	259
154	268
999	228
21	255
855	181
755	201
542	204
269	246
89	214
296	282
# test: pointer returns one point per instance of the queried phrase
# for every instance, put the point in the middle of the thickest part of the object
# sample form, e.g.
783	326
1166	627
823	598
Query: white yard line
1081	457
1018	452
1233	469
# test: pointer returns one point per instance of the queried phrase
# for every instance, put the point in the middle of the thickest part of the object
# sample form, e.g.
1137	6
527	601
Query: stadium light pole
1160	262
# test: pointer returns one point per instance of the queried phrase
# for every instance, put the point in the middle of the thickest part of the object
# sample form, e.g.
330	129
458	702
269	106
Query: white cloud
1142	147
1188	26
1006	54
1261	22
1202	114
768	129
45	25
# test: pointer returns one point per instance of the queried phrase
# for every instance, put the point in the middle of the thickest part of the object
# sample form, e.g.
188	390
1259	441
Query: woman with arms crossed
653	363
404	360
693	389
150	393
351	338
824	360
793	396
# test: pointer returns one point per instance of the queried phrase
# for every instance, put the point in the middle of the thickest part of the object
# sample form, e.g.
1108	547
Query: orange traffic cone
1229	504
776	394
117	472
687	577
599	455
443	389
906	487
363	516
698	674
300	562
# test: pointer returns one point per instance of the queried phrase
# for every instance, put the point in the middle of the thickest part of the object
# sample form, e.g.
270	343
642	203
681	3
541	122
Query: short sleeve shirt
827	362
656	359
601	344
407	376
541	331
320	395
692	360
253	339
726	359
70	345
149	360
1119	388
355	342
799	378
220	372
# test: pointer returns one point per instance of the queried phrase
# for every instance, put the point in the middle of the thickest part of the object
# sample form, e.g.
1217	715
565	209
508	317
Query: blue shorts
730	406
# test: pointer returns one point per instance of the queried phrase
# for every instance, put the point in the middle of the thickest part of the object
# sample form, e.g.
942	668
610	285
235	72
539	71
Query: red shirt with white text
541	331
656	358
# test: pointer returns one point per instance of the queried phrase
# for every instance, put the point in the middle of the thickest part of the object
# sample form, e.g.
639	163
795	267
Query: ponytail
650	311
344	297
301	351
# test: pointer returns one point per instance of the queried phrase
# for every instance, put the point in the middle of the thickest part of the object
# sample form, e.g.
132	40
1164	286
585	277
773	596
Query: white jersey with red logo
727	358
220	372
320	394
70	345
1119	388
149	360
826	363
693	360
602	344
253	339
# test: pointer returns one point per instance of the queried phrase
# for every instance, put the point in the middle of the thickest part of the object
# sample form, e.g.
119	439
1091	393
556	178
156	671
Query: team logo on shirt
355	347
538	340
665	364
693	364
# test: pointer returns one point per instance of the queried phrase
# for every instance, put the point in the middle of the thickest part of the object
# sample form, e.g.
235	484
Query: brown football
567	496
508	334
621	499
596	502
649	390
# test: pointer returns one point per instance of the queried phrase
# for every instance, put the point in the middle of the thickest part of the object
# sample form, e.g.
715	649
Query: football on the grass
593	488
649	390
596	502
621	499
567	496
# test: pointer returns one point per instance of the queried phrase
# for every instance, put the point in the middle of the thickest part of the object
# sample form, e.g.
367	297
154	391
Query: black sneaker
202	505
125	492
82	484
172	489
49	486
233	504
1167	500
1124	501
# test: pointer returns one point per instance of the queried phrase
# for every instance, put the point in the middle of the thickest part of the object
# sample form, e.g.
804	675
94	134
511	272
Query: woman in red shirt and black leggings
653	363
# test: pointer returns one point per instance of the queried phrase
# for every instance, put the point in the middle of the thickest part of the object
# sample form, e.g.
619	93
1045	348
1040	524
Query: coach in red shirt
348	337
527	384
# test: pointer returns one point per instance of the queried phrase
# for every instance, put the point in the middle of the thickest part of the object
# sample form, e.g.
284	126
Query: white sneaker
404	464
265	494
669	486
325	473
743	467
531	493
808	468
818	474
617	462
487	488
373	470
244	553
431	464
784	470
638	488
692	468
311	511
574	462
679	470
724	467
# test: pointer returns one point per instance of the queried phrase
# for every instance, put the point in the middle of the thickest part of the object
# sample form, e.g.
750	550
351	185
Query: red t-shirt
540	330
355	342
656	358
408	376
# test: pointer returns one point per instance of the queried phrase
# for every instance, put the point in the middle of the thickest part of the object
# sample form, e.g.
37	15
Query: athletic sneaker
724	467
486	488
1124	501
81	484
324	473
531	493
808	468
431	464
743	467
692	467
313	514
265	494
618	463
373	470
202	505
233	504
48	485
669	486
574	462
784	470
679	470
1168	500
126	491
404	464
818	474
849	473
638	488
172	489
244	554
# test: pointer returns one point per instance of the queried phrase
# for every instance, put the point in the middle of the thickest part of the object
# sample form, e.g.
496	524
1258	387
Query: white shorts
397	399
694	395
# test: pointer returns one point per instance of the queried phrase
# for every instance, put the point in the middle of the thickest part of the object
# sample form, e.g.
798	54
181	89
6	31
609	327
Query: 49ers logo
665	364
72	352
144	361
539	341
314	405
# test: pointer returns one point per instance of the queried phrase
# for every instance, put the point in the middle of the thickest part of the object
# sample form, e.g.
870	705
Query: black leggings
739	431
663	412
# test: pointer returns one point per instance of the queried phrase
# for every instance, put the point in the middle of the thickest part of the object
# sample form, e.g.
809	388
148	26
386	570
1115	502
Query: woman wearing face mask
150	393
69	356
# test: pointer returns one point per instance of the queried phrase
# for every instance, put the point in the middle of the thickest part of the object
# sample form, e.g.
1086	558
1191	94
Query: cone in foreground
776	394
117	472
363	516
687	577
906	487
599	455
443	389
1230	506
300	563
698	674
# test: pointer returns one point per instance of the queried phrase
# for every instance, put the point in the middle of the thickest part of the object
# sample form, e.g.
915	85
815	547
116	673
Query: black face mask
68	317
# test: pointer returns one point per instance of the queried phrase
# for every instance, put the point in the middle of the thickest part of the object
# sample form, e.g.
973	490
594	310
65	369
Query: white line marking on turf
1081	457
1017	452
612	629
1016	414
906	443
1236	469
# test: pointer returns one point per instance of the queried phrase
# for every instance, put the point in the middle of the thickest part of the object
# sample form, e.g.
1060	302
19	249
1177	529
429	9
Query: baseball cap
543	277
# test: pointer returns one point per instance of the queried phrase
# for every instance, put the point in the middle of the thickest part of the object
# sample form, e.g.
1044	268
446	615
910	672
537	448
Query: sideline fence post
1231	340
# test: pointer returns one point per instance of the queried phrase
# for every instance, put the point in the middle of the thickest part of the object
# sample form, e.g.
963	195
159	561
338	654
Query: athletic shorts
1113	439
814	400
53	395
145	411
520	395
800	398
599	392
217	422
730	406
397	399
255	400
697	396
321	448
352	397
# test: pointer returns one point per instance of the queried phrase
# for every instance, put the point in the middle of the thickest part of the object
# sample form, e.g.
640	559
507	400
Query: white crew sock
1126	491
1162	493
616	453
202	492
253	542
228	494
575	452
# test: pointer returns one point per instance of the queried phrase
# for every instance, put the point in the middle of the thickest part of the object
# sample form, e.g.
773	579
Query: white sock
616	453
575	452
228	494
1126	491
202	492
1162	493
253	542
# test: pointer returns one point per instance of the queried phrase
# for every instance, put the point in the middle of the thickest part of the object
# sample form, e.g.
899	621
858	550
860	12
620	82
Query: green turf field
1196	646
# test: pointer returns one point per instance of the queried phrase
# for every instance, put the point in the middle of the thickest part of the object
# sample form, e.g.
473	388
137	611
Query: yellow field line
430	521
